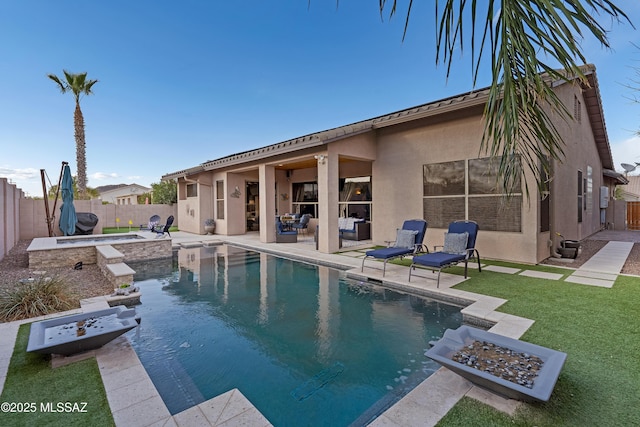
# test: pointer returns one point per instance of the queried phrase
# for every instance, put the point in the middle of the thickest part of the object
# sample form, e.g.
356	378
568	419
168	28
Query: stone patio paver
501	269
541	275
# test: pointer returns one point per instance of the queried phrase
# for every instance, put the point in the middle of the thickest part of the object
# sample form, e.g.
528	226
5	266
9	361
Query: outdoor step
119	273
110	254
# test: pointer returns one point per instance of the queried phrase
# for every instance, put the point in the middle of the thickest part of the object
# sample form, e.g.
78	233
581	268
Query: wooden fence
633	215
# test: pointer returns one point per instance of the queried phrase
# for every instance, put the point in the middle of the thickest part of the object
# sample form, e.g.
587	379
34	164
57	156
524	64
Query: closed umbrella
68	217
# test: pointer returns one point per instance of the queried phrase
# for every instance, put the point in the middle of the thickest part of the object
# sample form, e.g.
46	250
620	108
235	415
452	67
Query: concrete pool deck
134	401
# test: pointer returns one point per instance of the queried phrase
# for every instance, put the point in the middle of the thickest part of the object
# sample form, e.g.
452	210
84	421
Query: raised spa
47	252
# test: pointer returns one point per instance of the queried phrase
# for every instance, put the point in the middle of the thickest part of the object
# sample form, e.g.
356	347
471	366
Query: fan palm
78	85
532	43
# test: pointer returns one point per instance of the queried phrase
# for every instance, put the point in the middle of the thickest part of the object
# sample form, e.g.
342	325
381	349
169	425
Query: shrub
35	298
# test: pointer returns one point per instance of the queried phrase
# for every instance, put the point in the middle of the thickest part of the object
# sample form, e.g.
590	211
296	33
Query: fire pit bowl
455	340
81	332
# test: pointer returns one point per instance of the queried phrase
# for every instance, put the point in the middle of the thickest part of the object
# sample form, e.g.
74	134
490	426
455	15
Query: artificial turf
34	394
598	328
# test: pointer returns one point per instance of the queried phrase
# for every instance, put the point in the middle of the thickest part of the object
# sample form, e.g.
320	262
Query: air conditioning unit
604	197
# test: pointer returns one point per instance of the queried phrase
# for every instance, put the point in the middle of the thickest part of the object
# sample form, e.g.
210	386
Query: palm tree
78	85
532	43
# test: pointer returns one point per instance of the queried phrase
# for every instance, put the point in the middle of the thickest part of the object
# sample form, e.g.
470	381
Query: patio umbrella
68	217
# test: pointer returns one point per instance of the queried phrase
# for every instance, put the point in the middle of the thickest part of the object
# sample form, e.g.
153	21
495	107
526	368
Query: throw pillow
406	239
455	243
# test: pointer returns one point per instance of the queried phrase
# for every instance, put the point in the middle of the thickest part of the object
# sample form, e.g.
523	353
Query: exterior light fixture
321	158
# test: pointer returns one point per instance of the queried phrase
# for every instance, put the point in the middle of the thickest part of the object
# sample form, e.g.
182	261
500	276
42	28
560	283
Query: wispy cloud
101	176
627	151
19	174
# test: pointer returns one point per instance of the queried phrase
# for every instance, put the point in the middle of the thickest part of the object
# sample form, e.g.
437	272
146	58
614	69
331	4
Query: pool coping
134	400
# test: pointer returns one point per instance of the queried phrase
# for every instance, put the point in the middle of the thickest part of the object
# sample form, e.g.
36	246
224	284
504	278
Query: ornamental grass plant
37	297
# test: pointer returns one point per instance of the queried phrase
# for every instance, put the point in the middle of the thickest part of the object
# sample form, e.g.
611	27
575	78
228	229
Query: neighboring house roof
632	190
591	95
125	190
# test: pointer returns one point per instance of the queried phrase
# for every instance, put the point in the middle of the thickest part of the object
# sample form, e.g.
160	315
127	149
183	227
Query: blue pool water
305	345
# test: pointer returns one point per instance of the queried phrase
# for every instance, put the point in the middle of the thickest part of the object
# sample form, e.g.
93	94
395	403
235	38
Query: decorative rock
519	368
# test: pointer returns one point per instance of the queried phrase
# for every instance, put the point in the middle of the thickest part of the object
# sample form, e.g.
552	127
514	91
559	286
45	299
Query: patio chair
303	224
408	242
459	246
284	235
153	221
161	229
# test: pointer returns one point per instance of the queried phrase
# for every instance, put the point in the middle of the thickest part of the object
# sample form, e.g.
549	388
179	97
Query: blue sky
185	82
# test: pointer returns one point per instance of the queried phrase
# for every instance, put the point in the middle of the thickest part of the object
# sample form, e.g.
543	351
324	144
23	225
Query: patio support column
328	174
267	188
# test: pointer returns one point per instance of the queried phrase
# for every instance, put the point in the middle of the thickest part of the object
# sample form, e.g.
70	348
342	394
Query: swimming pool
305	345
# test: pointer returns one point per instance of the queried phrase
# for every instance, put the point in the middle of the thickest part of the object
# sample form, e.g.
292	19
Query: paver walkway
603	268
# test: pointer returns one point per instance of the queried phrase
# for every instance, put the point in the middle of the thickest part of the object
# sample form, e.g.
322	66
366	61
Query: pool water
305	345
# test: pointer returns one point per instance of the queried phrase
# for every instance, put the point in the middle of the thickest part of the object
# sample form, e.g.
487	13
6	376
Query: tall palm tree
78	85
532	44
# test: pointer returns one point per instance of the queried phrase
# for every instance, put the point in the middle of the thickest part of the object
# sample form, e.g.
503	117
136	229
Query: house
422	162
124	194
631	191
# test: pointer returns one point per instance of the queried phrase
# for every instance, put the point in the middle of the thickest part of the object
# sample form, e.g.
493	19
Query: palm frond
533	44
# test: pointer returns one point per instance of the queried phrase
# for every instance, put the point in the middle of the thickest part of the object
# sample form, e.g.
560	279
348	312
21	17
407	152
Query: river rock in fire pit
510	367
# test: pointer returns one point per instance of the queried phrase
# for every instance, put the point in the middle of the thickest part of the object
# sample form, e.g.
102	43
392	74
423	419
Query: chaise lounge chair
408	242
459	246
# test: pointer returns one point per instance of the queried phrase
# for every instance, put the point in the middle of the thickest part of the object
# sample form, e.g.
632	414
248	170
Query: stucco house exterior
422	162
125	195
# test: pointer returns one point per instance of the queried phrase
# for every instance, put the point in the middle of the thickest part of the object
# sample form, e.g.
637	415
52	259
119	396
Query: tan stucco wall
194	210
398	184
580	152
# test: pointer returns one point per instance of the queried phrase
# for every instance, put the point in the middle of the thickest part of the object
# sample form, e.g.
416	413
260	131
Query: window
192	190
588	191
219	199
544	204
305	198
444	192
355	197
580	196
577	109
467	189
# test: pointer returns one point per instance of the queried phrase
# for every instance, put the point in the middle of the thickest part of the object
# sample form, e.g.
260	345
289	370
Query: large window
305	198
466	189
220	199
355	197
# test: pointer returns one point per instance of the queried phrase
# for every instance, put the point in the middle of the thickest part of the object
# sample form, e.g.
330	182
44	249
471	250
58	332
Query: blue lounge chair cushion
437	259
386	253
455	243
406	238
280	229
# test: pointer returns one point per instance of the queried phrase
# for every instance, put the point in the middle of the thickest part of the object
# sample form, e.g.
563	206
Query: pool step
111	263
119	274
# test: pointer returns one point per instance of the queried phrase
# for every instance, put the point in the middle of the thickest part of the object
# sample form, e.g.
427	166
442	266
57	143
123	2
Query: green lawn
115	230
598	328
71	395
